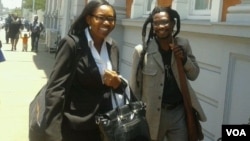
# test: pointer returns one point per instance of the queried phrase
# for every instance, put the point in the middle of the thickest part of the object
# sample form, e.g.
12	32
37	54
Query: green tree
39	4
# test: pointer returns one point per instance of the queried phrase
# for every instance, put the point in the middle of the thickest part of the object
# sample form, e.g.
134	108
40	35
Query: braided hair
173	15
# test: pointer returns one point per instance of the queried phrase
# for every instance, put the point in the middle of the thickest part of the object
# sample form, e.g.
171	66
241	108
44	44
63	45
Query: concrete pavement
21	76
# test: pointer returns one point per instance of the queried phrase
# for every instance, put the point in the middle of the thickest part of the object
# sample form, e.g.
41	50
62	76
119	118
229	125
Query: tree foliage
17	11
39	4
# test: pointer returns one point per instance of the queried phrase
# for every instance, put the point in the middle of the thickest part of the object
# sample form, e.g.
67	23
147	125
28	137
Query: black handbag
36	111
124	123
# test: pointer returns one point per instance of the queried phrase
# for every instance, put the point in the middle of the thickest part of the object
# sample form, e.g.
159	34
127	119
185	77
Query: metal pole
33	6
22	9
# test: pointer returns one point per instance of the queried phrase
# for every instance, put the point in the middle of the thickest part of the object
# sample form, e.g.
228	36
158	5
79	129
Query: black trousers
34	41
7	36
81	135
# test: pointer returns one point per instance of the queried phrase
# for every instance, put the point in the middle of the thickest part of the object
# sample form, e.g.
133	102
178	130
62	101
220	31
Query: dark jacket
83	96
36	28
14	29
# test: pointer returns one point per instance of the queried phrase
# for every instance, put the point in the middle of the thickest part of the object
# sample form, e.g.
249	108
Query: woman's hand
111	79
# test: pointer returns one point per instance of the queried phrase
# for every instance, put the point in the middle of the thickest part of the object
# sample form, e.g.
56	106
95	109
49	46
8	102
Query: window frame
199	14
145	6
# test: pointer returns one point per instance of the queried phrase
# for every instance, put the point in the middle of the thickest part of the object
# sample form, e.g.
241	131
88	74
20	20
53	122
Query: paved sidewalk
21	76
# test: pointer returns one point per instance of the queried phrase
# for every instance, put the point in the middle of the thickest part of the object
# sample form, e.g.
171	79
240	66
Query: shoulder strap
78	49
193	132
74	41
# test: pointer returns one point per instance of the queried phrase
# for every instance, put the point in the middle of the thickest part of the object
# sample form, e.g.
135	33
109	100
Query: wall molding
207	100
209	67
233	58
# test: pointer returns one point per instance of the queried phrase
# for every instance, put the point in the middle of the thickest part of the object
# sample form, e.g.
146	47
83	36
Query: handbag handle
125	97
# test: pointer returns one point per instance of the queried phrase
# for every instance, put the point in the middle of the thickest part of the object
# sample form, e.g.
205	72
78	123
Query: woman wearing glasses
96	73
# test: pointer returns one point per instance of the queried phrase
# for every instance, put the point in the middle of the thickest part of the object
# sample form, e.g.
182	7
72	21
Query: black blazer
84	95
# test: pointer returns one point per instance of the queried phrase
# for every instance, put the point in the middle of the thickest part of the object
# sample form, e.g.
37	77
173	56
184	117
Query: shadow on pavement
44	60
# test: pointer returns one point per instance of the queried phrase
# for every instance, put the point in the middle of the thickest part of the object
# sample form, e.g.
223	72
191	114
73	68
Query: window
200	9
149	5
141	8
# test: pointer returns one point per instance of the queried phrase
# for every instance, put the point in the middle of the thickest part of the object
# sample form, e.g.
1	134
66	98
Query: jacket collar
154	51
111	47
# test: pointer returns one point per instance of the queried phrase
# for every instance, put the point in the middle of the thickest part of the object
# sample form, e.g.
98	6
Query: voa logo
236	132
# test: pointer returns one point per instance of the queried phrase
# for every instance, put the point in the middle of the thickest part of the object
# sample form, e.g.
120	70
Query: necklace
167	62
167	70
166	58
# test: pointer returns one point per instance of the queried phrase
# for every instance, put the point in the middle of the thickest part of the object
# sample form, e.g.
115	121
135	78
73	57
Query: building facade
219	34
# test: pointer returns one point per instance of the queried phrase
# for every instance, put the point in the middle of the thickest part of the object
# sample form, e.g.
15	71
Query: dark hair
80	23
172	15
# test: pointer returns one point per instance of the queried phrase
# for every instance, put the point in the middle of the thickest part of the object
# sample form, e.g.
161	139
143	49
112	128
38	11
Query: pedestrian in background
155	78
6	26
14	31
96	74
25	39
36	27
2	58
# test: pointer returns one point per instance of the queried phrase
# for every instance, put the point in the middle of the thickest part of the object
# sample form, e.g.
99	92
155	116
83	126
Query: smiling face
102	22
162	25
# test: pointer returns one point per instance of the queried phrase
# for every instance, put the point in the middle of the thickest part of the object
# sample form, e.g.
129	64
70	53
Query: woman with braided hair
155	79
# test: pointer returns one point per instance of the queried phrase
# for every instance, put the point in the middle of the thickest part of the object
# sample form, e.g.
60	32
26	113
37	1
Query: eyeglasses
102	18
161	22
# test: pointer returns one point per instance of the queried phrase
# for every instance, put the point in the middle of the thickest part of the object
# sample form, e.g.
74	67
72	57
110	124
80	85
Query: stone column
128	8
239	13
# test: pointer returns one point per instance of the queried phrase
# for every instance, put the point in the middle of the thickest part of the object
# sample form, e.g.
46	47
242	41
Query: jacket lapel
153	49
113	55
89	61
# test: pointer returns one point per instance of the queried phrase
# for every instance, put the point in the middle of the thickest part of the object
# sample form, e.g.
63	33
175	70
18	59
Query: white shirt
102	60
